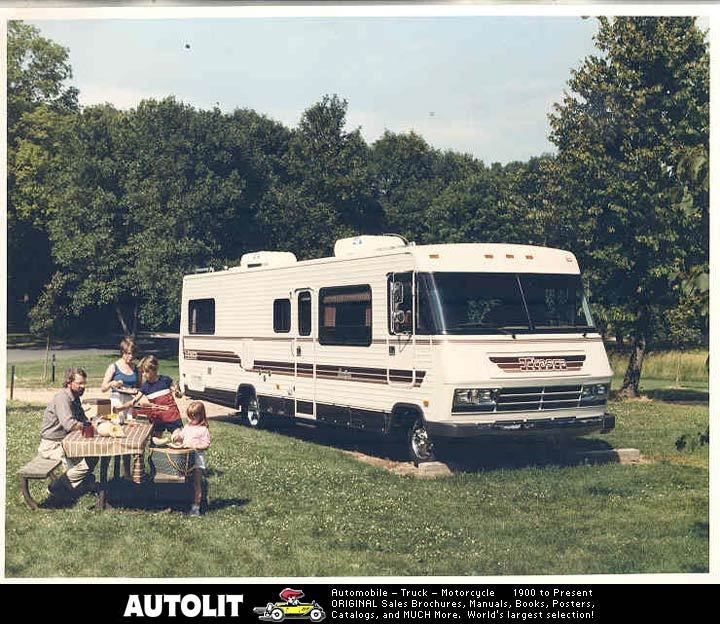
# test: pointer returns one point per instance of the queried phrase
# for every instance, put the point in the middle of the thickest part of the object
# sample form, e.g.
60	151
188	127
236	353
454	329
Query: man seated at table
63	415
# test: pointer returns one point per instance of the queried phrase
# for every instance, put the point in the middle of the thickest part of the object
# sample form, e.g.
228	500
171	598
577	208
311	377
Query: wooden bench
37	468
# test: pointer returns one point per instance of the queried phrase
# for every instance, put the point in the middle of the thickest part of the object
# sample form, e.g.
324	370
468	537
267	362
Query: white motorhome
428	341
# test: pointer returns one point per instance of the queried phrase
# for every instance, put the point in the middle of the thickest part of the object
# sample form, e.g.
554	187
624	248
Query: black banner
429	602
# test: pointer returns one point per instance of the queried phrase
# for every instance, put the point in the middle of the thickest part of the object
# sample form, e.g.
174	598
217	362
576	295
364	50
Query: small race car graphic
290	608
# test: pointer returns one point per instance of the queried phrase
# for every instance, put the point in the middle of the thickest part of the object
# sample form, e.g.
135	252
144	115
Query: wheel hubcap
421	445
253	414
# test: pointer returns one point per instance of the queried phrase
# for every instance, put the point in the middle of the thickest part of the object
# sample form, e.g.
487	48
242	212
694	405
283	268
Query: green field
30	374
292	503
686	367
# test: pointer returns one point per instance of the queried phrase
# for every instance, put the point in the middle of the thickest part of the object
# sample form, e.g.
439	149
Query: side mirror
401	322
398	293
400	319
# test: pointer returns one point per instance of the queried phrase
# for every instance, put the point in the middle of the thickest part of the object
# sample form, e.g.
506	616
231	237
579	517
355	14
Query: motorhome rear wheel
250	410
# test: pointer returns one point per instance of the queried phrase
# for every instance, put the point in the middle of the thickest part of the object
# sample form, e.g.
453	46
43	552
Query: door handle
391	350
298	351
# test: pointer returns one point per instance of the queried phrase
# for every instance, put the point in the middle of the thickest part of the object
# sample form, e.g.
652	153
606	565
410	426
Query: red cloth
164	398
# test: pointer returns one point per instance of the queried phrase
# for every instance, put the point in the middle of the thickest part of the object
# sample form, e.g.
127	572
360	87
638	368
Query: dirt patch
380	462
32	395
430	470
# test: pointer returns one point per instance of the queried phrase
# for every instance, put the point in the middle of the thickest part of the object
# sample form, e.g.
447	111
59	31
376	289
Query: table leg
127	474
138	471
102	494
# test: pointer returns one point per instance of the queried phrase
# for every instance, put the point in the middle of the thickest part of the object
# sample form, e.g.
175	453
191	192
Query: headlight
474	399
595	392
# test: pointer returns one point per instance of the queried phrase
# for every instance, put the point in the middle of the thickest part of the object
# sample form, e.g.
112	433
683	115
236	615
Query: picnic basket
171	464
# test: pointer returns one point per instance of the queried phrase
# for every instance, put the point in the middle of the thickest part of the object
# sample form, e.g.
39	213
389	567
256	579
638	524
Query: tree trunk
47	357
123	323
631	382
677	370
135	320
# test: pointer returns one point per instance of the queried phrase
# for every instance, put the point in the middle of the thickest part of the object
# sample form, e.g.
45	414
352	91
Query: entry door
400	343
304	352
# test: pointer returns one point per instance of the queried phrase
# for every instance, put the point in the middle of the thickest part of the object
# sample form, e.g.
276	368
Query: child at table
195	435
155	398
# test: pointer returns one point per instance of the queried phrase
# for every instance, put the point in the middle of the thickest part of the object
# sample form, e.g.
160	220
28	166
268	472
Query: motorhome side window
346	316
281	316
304	313
201	316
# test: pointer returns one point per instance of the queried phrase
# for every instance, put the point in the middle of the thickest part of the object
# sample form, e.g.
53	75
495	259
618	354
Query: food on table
110	429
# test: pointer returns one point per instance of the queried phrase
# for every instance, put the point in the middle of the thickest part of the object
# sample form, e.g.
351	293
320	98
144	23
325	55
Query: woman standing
121	374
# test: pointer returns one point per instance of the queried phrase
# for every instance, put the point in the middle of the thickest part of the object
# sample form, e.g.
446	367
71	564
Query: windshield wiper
506	330
481	325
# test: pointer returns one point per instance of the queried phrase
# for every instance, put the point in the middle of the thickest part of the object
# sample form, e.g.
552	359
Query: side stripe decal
321	371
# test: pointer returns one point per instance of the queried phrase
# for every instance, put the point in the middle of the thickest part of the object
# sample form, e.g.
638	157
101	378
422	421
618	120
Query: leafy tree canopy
632	115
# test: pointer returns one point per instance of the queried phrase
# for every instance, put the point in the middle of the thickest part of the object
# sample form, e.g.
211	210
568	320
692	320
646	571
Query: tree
144	196
475	208
39	102
51	311
326	191
403	168
37	73
632	114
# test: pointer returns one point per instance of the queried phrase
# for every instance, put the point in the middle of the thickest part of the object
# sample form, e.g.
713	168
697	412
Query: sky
476	84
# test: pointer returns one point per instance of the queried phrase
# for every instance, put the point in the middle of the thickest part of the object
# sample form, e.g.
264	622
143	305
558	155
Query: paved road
15	356
153	343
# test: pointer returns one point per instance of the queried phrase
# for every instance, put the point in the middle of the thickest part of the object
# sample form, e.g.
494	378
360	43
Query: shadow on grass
702	529
52	502
477	455
679	395
150	497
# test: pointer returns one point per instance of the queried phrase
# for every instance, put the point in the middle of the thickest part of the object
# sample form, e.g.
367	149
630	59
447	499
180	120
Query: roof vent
361	245
267	259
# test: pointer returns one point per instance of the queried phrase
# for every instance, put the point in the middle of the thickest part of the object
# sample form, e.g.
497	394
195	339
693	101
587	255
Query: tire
316	615
250	413
420	446
277	615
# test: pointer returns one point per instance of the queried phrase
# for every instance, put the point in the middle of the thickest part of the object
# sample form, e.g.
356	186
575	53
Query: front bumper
551	426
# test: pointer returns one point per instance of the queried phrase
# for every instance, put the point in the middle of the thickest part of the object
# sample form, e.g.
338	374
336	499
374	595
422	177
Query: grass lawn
29	374
287	503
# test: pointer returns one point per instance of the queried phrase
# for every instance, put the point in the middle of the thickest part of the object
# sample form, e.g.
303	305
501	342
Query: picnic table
130	448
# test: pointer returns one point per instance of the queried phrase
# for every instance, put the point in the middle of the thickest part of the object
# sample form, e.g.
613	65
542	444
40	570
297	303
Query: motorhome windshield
479	303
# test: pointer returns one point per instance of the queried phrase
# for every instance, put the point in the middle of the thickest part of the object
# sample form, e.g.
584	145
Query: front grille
537	398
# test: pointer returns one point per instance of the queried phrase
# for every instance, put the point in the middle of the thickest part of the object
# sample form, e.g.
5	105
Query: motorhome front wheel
419	443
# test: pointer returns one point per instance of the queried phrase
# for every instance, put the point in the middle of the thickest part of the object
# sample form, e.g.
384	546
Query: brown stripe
211	356
569	366
323	371
515	359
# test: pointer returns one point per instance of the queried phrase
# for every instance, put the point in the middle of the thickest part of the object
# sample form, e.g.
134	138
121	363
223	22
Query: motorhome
426	341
